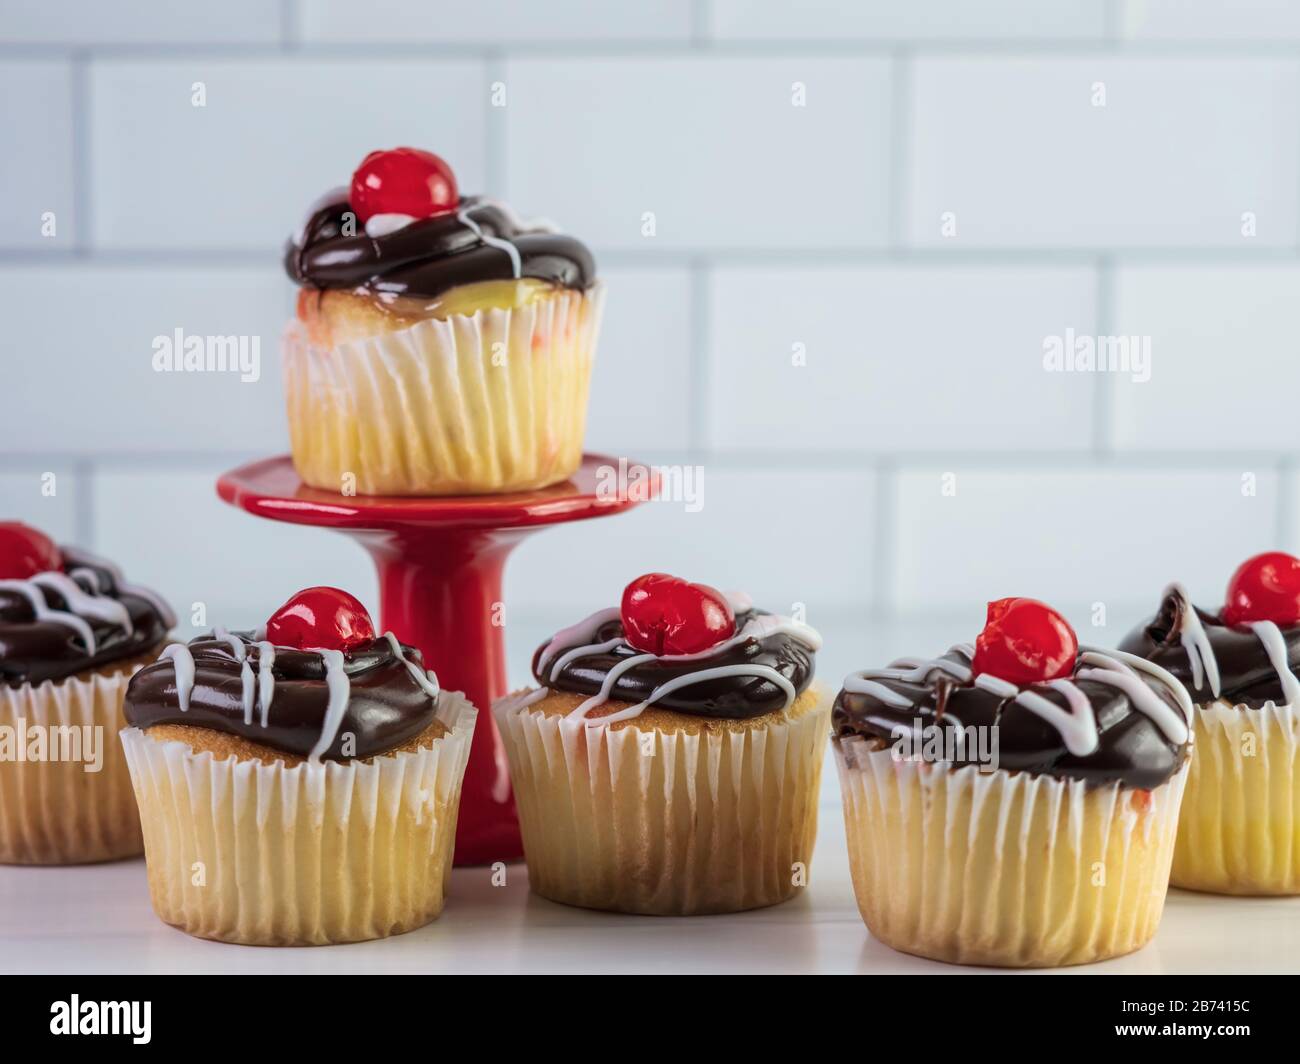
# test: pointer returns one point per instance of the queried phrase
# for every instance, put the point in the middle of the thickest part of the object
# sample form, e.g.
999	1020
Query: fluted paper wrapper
1006	869
660	822
321	852
1239	832
490	402
54	811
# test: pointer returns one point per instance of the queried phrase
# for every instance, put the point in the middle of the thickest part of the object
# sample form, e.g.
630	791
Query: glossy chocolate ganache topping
319	704
1110	717
479	241
1248	664
761	667
81	615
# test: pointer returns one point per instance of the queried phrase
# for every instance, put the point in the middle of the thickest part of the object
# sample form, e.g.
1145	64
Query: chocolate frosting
1132	749
430	256
33	650
735	697
1246	674
385	706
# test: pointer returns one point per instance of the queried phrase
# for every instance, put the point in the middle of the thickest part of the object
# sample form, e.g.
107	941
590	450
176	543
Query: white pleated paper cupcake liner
55	811
490	402
322	852
1239	832
1004	868
665	822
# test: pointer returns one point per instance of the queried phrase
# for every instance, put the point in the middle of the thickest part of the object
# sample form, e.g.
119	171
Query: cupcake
1239	832
441	346
72	632
668	761
298	785
1015	802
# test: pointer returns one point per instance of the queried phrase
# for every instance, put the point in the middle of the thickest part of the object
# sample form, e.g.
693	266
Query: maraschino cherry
320	618
25	551
1024	642
403	181
664	614
1264	588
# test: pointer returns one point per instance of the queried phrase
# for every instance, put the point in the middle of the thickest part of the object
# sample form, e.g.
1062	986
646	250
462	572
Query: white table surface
98	919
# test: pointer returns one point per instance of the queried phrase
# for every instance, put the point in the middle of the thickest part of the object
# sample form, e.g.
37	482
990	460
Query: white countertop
98	919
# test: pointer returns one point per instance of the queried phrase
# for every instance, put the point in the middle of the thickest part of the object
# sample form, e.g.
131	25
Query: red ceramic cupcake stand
440	562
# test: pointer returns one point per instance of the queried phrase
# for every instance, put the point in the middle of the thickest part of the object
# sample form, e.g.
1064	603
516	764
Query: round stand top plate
271	488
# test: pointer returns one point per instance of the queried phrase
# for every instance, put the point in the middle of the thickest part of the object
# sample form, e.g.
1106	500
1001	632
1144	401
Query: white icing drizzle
532	697
83	558
1200	653
739	601
1116	673
183	662
340	689
582	652
996	685
259	692
1275	647
1076	724
91	576
1160	673
1196	644
378	225
265	677
857	684
81	603
611	678
247	686
765	672
915	670
582	632
36	598
427	683
236	644
759	627
516	263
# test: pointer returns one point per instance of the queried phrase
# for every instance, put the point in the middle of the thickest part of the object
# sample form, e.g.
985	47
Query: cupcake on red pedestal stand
436	377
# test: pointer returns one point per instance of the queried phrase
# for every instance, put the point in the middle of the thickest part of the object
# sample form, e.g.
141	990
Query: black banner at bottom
344	1011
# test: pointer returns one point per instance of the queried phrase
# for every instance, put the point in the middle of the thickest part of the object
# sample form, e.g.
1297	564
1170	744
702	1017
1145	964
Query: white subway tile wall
37	210
1100	151
702	151
856	256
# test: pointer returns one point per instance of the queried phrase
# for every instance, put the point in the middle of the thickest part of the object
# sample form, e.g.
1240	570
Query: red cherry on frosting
664	614
320	618
1264	588
1024	642
24	551
403	181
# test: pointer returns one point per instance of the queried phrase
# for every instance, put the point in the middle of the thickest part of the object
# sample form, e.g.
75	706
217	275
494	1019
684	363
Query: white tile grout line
1113	21
685	47
290	36
1102	385
900	130
739	258
79	74
1288	484
700	375
1207	461
702	23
